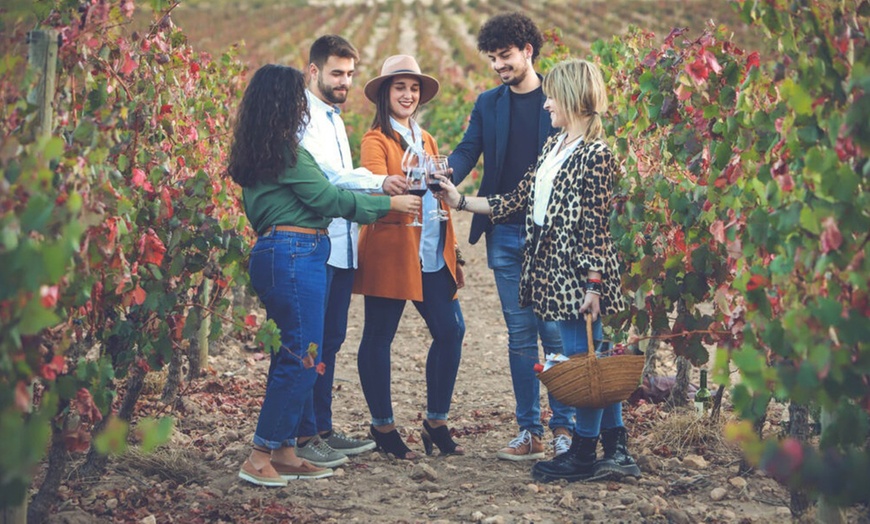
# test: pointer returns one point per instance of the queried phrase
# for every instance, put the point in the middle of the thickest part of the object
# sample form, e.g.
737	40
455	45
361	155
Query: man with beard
509	127
330	76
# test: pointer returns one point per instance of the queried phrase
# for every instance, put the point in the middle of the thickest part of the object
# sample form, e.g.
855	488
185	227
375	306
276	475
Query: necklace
565	142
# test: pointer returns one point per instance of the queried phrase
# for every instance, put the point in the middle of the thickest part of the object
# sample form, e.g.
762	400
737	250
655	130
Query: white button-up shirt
326	139
545	175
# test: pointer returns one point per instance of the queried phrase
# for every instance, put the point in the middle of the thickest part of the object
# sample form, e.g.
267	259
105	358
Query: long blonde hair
578	88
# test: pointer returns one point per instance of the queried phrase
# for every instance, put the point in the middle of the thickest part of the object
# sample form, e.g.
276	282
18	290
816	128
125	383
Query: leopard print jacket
575	237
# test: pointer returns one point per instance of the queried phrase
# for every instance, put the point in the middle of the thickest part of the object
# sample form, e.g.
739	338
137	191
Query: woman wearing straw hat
570	267
399	263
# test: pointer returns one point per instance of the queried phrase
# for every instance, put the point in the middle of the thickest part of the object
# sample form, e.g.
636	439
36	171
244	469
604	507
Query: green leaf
809	221
113	438
154	432
797	97
35	318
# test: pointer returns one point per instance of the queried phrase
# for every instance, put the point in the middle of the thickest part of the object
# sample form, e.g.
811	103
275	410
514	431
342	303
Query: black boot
617	463
578	463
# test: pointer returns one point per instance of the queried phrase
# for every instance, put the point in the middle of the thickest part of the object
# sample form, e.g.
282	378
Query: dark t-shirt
522	146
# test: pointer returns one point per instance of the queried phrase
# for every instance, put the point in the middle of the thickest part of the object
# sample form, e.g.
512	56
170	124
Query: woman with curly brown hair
289	202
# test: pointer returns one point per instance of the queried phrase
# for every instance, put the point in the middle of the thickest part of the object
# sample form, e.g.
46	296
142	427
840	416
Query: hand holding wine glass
448	193
438	166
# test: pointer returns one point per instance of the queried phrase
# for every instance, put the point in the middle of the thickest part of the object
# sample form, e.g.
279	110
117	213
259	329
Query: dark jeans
288	272
443	317
318	414
504	253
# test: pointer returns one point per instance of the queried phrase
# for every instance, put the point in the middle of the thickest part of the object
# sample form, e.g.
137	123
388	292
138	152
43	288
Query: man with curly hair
509	127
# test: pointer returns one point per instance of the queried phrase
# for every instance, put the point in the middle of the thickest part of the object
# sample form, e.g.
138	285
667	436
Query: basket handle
590	351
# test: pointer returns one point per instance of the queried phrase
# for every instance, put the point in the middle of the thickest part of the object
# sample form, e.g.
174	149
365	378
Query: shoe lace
525	437
561	444
321	447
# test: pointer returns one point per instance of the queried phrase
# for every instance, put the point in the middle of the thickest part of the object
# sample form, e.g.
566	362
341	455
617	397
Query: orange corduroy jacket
389	259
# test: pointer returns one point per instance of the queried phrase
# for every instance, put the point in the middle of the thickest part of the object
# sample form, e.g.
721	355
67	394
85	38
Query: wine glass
437	166
414	166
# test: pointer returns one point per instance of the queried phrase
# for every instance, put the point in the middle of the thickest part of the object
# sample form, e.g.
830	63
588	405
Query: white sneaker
561	444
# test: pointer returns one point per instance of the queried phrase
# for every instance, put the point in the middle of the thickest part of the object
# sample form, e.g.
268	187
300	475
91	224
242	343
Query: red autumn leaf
50	370
680	240
151	248
84	404
755	282
48	296
129	65
251	321
139	180
321	368
22	397
712	63
786	182
675	32
165	108
753	60
831	237
308	361
135	297
651	59
717	229
698	70
77	439
168	210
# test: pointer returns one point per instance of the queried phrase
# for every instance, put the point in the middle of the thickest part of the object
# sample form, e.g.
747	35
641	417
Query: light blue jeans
504	253
589	421
288	272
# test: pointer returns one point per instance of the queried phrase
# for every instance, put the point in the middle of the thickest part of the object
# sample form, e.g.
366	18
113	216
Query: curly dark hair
509	29
266	132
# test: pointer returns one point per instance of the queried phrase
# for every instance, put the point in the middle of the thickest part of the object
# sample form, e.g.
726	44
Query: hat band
404	71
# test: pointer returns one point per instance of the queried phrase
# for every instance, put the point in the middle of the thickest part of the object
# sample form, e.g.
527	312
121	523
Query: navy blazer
487	133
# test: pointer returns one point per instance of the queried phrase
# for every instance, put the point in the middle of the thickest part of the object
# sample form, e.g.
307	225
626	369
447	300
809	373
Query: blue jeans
589	421
317	417
504	253
443	317
288	272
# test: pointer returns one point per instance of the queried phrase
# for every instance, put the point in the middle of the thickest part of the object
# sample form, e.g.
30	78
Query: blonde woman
570	268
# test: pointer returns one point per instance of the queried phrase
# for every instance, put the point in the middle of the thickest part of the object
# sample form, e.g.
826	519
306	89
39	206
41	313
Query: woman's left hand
591	305
460	277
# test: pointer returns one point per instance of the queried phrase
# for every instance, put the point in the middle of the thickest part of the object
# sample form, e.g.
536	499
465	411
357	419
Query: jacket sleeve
502	207
318	194
465	156
597	190
373	152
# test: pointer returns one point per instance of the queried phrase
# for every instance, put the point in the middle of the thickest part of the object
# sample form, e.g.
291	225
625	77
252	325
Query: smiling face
558	117
512	64
333	79
404	97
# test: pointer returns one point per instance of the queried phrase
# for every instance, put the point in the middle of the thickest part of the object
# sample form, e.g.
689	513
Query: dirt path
193	478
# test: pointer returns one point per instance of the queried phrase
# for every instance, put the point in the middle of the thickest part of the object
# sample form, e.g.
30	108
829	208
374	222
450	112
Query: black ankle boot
578	463
617	463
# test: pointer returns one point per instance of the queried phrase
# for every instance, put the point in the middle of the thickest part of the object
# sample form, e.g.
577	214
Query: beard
329	92
518	76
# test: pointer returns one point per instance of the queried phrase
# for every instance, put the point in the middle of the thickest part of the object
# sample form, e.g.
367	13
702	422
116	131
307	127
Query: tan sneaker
261	477
305	471
525	446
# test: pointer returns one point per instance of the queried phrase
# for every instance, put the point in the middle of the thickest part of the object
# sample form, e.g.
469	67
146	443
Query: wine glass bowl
438	165
414	165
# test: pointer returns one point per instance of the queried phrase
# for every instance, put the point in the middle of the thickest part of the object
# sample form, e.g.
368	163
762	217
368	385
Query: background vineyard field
441	34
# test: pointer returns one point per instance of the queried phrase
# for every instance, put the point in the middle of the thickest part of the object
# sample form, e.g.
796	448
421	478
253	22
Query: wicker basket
586	381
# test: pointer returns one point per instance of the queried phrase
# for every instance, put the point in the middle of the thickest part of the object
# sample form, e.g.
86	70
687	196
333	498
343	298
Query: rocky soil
690	474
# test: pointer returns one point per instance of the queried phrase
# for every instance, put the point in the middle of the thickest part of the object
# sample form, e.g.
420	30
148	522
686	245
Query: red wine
417	192
435	187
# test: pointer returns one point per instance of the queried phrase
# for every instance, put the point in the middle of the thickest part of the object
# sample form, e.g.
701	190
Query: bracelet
460	260
462	203
594	287
593	292
596	280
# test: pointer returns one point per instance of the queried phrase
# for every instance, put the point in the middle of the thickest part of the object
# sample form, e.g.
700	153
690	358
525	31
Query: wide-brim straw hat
397	65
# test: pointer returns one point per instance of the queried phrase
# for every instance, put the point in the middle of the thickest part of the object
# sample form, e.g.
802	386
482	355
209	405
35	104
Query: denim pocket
261	270
303	247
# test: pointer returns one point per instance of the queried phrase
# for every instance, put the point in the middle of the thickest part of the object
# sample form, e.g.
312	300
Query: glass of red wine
437	166
414	166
